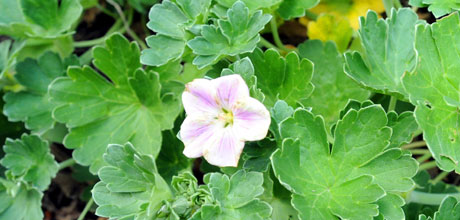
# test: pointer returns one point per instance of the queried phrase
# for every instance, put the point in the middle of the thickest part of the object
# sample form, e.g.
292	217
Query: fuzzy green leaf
442	7
253	5
25	204
32	104
129	107
238	33
347	180
449	209
29	159
38	18
236	197
295	8
172	21
434	88
330	81
282	78
388	52
130	187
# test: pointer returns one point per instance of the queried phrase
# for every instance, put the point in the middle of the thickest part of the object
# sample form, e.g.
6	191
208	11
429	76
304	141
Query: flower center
226	117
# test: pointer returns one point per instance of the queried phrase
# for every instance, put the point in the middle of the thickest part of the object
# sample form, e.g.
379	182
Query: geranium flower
221	116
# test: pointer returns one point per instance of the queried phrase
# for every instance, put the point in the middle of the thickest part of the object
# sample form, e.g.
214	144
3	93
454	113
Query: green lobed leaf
434	88
171	161
235	197
130	187
29	159
24	205
172	21
330	81
9	129
32	104
295	8
349	180
238	33
38	18
282	78
449	209
253	5
130	107
388	52
441	7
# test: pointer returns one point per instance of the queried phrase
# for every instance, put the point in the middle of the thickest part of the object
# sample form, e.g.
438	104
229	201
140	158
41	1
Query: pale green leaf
253	5
38	18
130	187
388	51
330	81
347	180
435	81
24	205
172	22
29	159
32	104
236	197
129	107
238	33
442	7
282	78
8	53
449	210
295	8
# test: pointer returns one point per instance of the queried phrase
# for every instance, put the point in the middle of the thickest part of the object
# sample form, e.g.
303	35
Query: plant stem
392	104
86	209
276	36
105	11
440	177
397	4
429	198
420	151
267	44
89	43
388	4
126	24
427	165
414	145
66	163
310	15
423	158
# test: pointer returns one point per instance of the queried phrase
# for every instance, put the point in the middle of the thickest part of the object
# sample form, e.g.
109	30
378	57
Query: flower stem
424	157
429	198
427	165
414	145
420	151
126	23
397	4
276	36
86	209
388	4
66	163
310	15
89	43
267	44
392	104
440	177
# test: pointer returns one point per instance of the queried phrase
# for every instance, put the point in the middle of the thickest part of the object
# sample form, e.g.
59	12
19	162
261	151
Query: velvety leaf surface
24	205
129	107
348	180
130	187
330	81
32	104
38	18
253	5
30	159
295	8
236	197
449	209
388	51
442	7
282	78
434	87
238	33
172	22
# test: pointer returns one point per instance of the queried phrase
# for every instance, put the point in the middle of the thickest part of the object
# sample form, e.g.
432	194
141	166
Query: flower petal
251	120
230	89
226	150
199	97
197	132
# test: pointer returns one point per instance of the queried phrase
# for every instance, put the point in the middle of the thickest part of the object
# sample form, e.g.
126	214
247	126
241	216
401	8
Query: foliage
364	104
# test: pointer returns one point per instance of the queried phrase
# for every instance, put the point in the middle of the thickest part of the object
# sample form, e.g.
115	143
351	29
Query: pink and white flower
221	116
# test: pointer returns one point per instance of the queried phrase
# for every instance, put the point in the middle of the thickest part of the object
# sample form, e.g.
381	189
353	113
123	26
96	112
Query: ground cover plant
229	109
